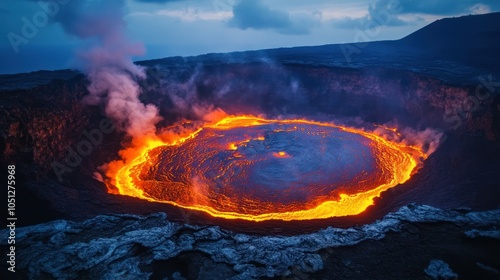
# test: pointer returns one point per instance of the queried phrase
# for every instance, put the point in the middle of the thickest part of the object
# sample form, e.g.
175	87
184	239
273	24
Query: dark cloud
381	13
443	7
253	14
87	19
387	12
157	1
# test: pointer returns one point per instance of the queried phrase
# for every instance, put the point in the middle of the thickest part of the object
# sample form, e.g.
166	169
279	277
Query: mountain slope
465	38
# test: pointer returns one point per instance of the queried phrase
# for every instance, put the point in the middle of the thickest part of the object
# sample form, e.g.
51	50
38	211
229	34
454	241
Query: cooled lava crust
250	168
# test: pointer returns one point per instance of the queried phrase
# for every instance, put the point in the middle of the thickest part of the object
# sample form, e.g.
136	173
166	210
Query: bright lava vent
246	167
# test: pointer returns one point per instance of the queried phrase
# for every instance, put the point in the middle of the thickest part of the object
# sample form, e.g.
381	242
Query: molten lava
246	167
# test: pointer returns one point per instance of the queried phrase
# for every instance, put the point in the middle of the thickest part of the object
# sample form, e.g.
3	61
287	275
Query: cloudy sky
41	34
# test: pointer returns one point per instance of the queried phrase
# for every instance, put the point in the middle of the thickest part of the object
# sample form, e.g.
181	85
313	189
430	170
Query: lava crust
256	169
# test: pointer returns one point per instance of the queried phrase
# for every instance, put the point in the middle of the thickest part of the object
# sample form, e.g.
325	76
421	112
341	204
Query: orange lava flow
399	161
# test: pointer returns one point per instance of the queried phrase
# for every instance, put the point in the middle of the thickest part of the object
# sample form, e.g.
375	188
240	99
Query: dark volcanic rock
470	38
41	125
438	269
137	247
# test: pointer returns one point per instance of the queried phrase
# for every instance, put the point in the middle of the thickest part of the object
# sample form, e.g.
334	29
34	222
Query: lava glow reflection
246	167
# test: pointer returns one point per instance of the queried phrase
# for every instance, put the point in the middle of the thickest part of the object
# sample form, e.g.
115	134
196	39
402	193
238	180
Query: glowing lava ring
257	169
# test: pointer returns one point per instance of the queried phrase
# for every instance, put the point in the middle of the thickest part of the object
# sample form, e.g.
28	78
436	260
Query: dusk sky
39	36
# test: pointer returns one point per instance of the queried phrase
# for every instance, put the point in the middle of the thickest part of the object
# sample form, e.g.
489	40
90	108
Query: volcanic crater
272	167
257	169
261	158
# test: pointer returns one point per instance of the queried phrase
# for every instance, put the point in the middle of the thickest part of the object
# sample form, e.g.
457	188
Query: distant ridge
466	41
470	37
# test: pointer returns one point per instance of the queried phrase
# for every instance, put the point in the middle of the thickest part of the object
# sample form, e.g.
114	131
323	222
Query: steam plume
107	61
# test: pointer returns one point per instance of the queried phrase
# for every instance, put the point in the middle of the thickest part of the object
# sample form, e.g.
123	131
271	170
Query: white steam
107	61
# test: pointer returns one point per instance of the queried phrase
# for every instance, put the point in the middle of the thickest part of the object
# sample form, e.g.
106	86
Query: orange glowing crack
400	159
281	154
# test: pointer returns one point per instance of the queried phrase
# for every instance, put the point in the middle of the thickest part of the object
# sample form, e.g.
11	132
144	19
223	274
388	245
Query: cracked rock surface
142	247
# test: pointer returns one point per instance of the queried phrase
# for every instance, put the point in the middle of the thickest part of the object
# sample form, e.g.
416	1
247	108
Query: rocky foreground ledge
416	242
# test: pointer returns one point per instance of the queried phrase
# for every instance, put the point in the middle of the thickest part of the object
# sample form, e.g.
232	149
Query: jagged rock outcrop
439	270
137	247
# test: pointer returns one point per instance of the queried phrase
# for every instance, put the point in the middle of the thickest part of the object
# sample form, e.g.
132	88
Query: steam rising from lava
108	63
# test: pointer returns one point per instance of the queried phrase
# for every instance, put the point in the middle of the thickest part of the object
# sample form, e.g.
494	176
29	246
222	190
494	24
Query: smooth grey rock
439	270
475	233
488	268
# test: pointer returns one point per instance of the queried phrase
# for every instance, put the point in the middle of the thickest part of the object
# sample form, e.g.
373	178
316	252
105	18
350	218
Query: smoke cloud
428	139
106	58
